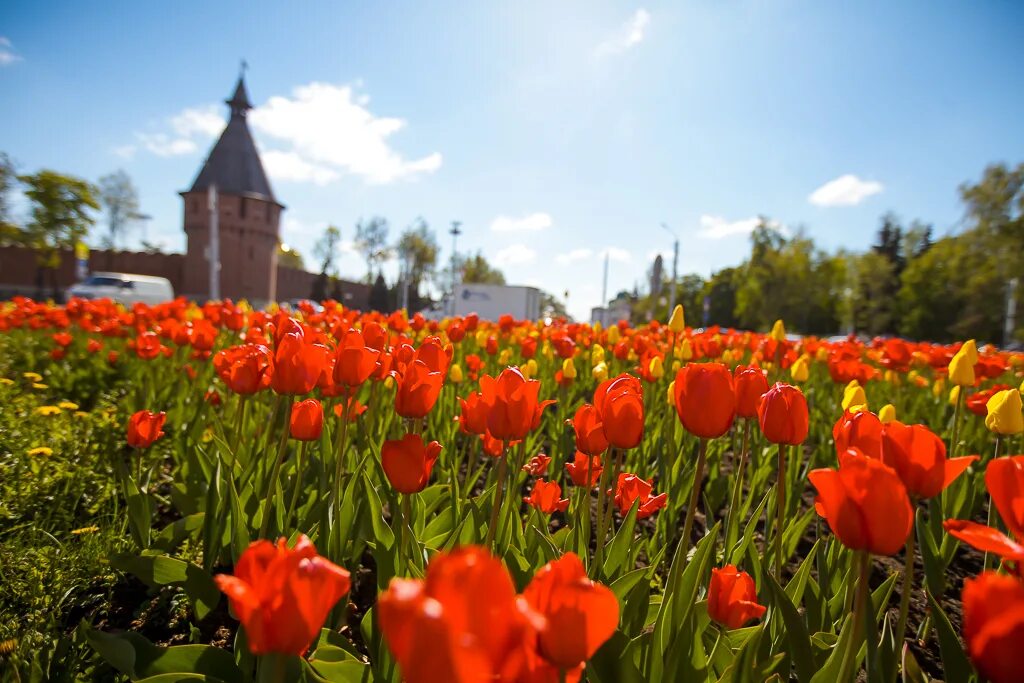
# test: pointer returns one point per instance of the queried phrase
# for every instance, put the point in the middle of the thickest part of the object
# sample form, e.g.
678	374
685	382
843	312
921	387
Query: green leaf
382	532
796	630
175	533
911	669
934	567
829	673
611	664
618	548
954	662
160	570
136	657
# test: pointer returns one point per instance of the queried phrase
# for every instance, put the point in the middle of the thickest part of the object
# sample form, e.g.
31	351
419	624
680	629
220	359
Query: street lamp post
454	232
675	265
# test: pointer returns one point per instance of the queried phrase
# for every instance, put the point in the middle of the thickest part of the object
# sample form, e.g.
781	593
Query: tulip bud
672	393
596	354
954	395
778	331
1004	413
887	414
656	368
568	369
676	323
854	396
613	334
505	356
600	372
727	356
481	338
938	387
685	350
970	349
530	369
455	373
821	355
800	370
961	368
675	366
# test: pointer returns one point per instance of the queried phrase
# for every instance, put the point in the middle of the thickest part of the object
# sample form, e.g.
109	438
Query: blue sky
555	131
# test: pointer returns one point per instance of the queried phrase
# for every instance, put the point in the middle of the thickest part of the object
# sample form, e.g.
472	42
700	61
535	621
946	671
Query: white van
125	288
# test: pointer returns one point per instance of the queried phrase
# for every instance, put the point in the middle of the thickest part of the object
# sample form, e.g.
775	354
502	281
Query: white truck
490	302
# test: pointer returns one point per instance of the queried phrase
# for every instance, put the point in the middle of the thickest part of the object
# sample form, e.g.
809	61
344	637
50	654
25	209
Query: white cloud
291	166
329	126
616	254
164	145
629	35
574	255
126	152
717	227
846	190
198	122
514	255
8	55
531	222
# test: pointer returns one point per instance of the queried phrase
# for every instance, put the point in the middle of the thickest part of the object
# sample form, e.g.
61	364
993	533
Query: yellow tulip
727	356
778	331
970	348
961	368
597	327
938	387
596	354
531	365
853	396
656	367
676	323
675	367
504	357
1004	413
613	334
822	354
455	373
671	393
954	395
685	350
568	369
800	370
887	414
600	372
481	338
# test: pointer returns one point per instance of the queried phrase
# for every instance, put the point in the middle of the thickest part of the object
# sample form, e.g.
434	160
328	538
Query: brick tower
248	216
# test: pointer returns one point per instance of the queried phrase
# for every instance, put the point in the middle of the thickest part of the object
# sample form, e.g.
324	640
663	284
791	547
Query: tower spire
239	101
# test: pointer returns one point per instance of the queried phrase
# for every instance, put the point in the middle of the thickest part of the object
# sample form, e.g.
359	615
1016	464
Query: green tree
9	232
417	251
60	216
289	258
120	201
476	269
372	242
721	293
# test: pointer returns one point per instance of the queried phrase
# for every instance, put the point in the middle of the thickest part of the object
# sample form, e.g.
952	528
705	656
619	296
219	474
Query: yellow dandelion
81	414
85	530
8	647
47	410
8	382
67	405
32	376
40	385
41	450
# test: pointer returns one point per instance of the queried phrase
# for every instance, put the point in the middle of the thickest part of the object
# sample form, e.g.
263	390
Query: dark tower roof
234	165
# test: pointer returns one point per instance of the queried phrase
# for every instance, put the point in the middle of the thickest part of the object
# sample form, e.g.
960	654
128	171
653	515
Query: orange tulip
629	488
620	402
245	369
865	503
473	417
307	420
782	415
861	430
751	383
144	428
994	625
578	470
919	457
732	597
705	399
511	401
579	615
537	465
460	624
545	497
355	361
407	462
590	438
282	595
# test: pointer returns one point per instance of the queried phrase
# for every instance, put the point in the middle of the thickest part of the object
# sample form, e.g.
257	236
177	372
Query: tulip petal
984	538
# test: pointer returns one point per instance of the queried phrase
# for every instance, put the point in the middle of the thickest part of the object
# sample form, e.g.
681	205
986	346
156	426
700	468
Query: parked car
125	288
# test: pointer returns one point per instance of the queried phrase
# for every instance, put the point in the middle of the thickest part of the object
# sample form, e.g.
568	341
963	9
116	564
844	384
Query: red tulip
865	503
585	470
732	597
751	384
418	389
579	615
705	399
919	457
282	596
461	624
537	465
861	430
473	417
307	420
297	365
782	415
994	625
620	402
511	401
245	369
1004	478
144	428
629	488
355	361
408	461
590	438
545	496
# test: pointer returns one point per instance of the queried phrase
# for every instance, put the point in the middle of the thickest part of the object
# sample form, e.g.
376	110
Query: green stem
780	510
499	485
298	483
412	549
268	501
340	460
239	422
908	588
737	489
691	508
602	489
852	653
991	507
